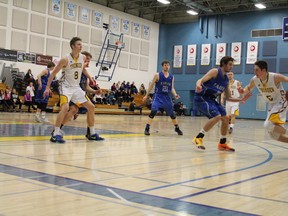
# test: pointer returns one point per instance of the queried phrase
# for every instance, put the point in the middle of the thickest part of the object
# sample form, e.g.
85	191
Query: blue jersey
161	98
44	79
39	93
83	82
164	85
214	87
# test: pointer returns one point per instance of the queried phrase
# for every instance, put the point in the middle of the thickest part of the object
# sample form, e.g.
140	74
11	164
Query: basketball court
133	174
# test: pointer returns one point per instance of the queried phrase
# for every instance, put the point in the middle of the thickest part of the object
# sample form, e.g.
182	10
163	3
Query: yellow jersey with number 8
71	74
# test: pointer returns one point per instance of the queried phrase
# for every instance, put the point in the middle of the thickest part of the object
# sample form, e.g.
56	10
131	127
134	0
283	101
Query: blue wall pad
237	69
177	70
283	65
269	48
204	69
272	63
249	69
191	69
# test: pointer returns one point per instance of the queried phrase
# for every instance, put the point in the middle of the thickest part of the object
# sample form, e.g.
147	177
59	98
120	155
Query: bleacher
99	108
2	86
124	109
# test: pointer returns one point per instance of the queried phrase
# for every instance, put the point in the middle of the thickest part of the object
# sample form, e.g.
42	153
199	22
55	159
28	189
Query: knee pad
173	116
152	114
269	126
274	136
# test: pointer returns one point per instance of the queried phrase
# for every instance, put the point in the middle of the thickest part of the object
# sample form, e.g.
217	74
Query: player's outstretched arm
247	88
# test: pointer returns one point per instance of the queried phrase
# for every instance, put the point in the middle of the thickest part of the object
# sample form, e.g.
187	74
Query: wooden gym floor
132	174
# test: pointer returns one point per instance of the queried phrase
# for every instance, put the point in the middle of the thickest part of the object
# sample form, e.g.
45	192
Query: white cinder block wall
30	26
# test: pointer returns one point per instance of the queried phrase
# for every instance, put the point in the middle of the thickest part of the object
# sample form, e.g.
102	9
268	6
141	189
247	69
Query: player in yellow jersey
72	66
232	107
271	88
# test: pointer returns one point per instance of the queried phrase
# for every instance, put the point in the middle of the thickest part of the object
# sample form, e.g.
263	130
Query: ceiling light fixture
260	6
192	12
164	1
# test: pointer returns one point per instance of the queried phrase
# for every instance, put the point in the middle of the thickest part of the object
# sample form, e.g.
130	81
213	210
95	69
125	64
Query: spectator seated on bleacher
142	90
5	106
133	88
111	98
16	100
8	99
133	107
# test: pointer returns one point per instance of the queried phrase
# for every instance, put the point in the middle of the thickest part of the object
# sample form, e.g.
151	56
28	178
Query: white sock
56	131
92	130
232	125
202	131
43	114
38	114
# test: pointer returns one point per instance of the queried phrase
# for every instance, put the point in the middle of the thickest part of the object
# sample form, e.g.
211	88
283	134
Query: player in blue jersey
208	88
164	85
40	101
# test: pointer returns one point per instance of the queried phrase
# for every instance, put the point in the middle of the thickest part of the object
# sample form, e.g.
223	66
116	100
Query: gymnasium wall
32	27
235	28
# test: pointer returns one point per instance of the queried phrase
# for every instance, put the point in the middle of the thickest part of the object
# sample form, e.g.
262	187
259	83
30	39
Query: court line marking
67	137
270	155
59	188
254	197
232	184
134	197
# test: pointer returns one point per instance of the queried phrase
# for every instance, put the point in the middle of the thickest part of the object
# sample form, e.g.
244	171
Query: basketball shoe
199	143
57	139
225	147
94	137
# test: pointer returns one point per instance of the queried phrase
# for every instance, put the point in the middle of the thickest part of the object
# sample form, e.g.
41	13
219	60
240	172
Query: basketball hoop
119	44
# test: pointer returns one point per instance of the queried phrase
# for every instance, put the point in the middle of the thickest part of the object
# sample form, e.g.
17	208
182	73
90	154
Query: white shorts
232	108
277	112
73	94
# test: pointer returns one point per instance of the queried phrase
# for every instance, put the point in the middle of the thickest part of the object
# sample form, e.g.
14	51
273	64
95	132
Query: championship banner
146	32
125	27
177	60
56	6
252	51
8	55
114	23
191	54
84	15
236	49
97	19
26	57
71	10
205	54
220	52
135	29
43	60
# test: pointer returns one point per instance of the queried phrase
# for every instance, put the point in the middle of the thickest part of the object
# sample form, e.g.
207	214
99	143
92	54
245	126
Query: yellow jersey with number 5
71	74
269	90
